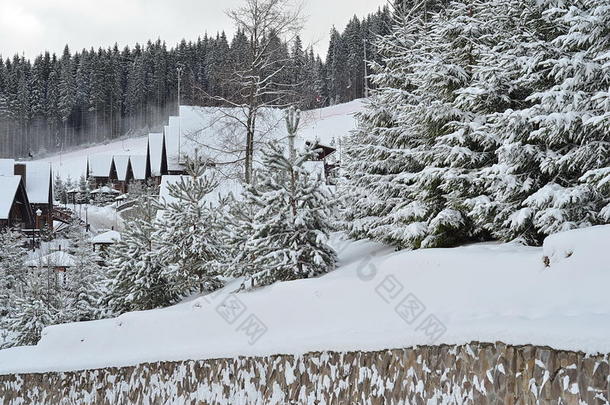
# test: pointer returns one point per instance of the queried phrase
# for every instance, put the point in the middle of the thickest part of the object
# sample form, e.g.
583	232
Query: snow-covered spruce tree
134	278
290	227
84	191
523	59
83	285
238	227
34	311
413	162
554	145
12	273
59	190
382	150
190	233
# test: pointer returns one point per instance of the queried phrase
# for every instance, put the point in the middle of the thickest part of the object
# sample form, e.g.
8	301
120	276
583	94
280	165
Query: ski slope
376	299
324	124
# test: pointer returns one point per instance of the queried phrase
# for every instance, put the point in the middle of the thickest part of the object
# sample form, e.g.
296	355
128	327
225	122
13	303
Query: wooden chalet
124	172
140	166
324	151
15	208
37	178
102	241
59	261
101	170
175	144
157	156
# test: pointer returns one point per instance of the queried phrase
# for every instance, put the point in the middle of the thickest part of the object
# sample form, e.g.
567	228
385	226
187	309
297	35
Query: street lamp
38	214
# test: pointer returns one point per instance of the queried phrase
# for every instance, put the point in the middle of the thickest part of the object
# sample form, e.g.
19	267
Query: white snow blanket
376	299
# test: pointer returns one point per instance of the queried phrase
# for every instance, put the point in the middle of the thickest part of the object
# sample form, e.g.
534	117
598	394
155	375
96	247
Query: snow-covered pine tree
238	227
291	225
12	273
84	191
520	63
134	278
59	190
453	103
390	143
554	145
190	233
573	121
33	312
83	283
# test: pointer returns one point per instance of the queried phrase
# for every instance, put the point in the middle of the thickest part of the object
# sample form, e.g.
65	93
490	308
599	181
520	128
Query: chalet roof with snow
9	185
105	190
55	259
99	165
123	167
155	150
315	168
38	182
106	238
174	144
138	166
7	167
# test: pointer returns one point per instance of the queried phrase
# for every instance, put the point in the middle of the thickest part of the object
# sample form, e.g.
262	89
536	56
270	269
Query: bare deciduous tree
257	81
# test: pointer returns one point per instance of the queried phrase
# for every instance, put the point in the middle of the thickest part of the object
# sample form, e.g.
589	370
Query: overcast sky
33	26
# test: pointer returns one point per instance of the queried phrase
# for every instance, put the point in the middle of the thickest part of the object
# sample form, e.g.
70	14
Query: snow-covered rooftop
155	145
108	237
316	168
55	259
99	165
138	166
8	190
105	190
7	167
38	182
121	164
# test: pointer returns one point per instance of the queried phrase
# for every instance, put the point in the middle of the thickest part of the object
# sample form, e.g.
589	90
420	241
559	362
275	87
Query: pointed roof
121	163
138	166
173	144
38	182
99	165
106	238
7	167
9	186
155	149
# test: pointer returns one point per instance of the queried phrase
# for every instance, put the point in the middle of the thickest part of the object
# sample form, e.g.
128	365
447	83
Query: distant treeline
54	103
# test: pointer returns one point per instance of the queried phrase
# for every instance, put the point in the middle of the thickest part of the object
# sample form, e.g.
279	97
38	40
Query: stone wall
476	373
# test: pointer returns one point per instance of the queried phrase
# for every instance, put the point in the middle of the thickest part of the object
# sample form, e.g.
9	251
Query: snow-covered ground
324	124
376	299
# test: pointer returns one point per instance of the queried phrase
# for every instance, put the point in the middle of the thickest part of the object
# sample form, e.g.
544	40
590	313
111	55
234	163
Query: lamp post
179	71
38	214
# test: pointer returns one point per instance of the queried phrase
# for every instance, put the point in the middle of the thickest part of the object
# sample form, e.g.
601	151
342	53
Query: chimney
20	169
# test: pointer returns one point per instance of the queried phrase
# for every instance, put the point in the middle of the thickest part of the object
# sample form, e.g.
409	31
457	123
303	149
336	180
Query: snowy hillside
376	299
324	124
